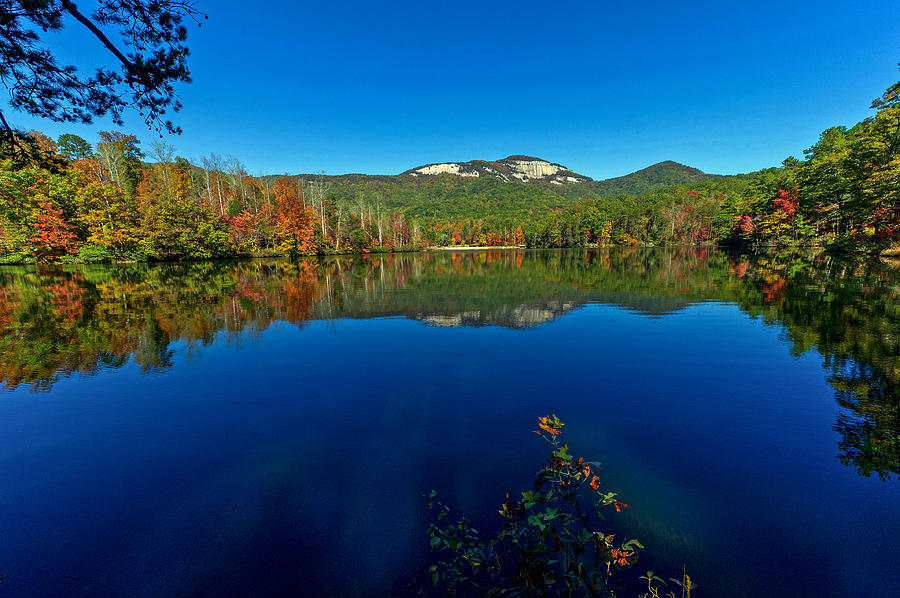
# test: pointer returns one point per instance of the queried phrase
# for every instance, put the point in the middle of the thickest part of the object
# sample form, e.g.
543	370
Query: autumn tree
296	220
243	231
782	216
120	157
400	229
53	234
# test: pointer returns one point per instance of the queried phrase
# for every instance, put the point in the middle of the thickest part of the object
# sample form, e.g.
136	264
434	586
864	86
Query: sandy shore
471	247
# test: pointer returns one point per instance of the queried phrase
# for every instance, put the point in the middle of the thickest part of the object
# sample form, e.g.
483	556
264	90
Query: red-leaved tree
53	237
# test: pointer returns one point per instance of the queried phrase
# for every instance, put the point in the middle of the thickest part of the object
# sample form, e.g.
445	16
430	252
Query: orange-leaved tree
295	218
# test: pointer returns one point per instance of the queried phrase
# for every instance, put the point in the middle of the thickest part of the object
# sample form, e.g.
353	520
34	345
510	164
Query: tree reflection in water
56	321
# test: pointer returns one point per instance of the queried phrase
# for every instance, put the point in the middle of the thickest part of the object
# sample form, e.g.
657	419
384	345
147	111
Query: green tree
74	147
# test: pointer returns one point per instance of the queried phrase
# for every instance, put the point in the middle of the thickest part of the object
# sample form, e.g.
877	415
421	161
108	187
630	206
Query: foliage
295	218
550	543
94	254
73	147
53	235
127	209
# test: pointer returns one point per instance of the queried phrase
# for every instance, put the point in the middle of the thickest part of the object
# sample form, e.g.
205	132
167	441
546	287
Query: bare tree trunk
380	225
164	153
265	182
205	163
337	232
214	163
362	213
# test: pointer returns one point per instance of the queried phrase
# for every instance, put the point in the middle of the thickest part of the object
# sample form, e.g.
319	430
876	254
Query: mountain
527	169
662	174
512	168
653	178
515	187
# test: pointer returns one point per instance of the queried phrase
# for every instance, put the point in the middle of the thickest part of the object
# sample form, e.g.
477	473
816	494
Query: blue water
289	459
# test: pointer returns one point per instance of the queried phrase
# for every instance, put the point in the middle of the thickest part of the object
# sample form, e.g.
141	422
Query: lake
269	428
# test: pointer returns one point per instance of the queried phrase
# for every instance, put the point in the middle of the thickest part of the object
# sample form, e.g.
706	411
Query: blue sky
604	88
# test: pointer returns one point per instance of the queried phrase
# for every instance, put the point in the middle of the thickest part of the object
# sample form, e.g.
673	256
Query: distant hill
662	174
514	186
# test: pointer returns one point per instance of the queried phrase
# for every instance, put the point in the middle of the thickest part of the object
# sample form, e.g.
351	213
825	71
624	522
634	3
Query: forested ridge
114	201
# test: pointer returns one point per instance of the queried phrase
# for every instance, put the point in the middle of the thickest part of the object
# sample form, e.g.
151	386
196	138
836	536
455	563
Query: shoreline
473	247
891	254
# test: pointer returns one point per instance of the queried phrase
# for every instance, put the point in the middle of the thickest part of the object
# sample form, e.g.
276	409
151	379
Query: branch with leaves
550	543
150	52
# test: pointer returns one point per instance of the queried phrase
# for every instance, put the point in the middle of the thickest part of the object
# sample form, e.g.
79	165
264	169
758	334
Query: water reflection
64	320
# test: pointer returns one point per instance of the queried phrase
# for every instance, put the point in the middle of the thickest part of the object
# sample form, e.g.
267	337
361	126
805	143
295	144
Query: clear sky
602	87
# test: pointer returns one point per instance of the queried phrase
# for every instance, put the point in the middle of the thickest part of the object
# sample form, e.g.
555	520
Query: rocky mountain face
516	186
513	168
513	316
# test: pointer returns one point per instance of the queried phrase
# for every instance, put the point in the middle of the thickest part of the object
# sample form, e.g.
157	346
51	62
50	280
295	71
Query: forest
114	201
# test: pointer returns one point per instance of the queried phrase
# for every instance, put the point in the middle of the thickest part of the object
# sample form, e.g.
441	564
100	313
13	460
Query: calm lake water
268	428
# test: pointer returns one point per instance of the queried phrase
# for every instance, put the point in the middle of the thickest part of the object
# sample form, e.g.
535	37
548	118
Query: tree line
844	194
88	203
104	202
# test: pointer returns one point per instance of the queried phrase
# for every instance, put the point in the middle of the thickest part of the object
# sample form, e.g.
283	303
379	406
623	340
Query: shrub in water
549	544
